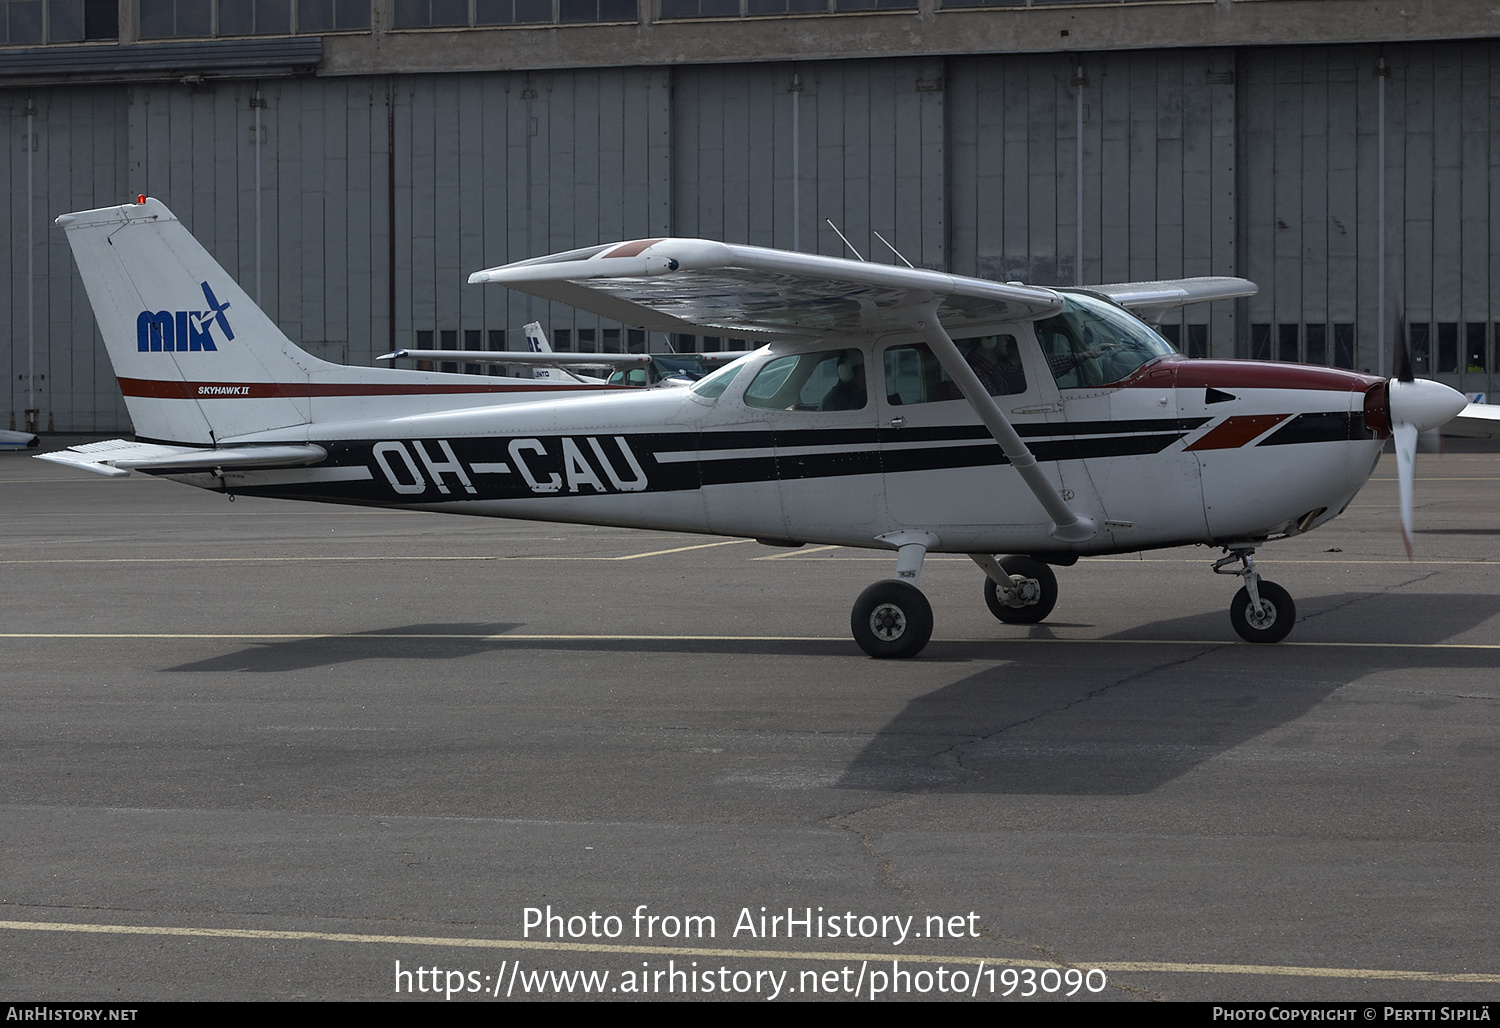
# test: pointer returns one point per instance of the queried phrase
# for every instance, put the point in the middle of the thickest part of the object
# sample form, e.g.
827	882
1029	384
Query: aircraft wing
1150	300
118	457
701	287
524	358
1476	421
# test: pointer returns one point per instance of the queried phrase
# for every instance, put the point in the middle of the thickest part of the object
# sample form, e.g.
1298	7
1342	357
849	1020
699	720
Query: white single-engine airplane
894	408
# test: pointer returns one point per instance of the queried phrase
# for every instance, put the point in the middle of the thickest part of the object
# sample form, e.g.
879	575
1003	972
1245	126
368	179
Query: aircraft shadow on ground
1119	715
432	642
1076	718
448	642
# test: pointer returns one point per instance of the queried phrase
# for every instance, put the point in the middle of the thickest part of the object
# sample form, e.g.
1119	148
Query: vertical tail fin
536	339
536	342
196	359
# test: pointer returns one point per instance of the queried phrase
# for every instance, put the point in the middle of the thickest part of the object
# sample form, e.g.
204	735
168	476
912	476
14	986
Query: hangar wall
378	195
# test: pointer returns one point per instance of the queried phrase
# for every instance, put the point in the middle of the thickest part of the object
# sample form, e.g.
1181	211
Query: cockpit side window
914	375
829	380
1094	343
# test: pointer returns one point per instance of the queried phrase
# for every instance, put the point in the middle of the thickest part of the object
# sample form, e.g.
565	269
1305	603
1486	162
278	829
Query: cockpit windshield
1093	342
710	387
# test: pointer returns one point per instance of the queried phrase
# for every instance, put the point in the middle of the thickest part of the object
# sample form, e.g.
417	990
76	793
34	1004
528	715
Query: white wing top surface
1150	300
1476	421
698	286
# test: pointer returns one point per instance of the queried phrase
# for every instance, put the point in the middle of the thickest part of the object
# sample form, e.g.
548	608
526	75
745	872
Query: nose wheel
1261	612
1032	593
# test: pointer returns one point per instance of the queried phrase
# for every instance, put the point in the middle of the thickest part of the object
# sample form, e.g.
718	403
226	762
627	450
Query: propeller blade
1402	358
1406	467
1416	406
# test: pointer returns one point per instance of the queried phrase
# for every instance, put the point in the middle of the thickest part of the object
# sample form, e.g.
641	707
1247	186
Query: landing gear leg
892	619
1261	612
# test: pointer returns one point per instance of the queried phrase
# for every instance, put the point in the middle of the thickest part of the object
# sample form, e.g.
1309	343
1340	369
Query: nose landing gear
1261	612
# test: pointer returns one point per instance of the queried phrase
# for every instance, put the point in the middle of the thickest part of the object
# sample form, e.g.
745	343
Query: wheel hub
1262	619
888	622
1028	591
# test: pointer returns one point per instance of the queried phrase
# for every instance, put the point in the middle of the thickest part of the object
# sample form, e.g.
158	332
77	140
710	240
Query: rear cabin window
914	375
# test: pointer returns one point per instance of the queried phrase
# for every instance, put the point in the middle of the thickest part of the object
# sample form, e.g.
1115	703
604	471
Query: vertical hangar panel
292	137
1475	142
359	254
869	155
76	152
866	157
1223	224
829	165
727	150
335	181
515	165
1158	169
1313	175
12	282
1345	153
1447	183
1416	74
1114	155
1370	330
1015	186
492	219
308	225
1142	122
1169	171
966	92
441	279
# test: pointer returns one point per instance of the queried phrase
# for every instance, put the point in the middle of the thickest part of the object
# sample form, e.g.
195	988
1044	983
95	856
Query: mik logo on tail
166	331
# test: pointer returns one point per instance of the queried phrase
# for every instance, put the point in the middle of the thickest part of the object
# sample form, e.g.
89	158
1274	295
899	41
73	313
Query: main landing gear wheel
1037	600
891	620
1277	614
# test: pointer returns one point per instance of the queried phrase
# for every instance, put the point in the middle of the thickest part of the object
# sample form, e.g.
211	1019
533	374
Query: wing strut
1067	524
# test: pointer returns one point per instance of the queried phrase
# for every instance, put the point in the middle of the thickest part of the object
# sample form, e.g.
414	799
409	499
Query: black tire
891	620
1274	624
1026	613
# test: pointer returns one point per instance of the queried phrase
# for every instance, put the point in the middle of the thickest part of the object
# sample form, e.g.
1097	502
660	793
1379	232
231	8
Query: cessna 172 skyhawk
893	408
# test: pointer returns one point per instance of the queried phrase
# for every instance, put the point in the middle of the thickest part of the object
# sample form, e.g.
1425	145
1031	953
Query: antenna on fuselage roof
842	236
895	251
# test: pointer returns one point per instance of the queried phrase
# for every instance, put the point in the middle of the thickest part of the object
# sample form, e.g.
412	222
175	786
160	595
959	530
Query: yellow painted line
649	553
608	949
800	553
351	557
720	638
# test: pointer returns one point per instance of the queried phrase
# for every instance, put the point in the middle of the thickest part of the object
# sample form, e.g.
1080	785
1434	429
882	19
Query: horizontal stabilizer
17	440
116	457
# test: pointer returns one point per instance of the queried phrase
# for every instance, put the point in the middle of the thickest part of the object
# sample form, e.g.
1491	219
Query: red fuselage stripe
1237	431
263	390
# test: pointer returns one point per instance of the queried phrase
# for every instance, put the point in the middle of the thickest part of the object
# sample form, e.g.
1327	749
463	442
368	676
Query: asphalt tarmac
262	750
